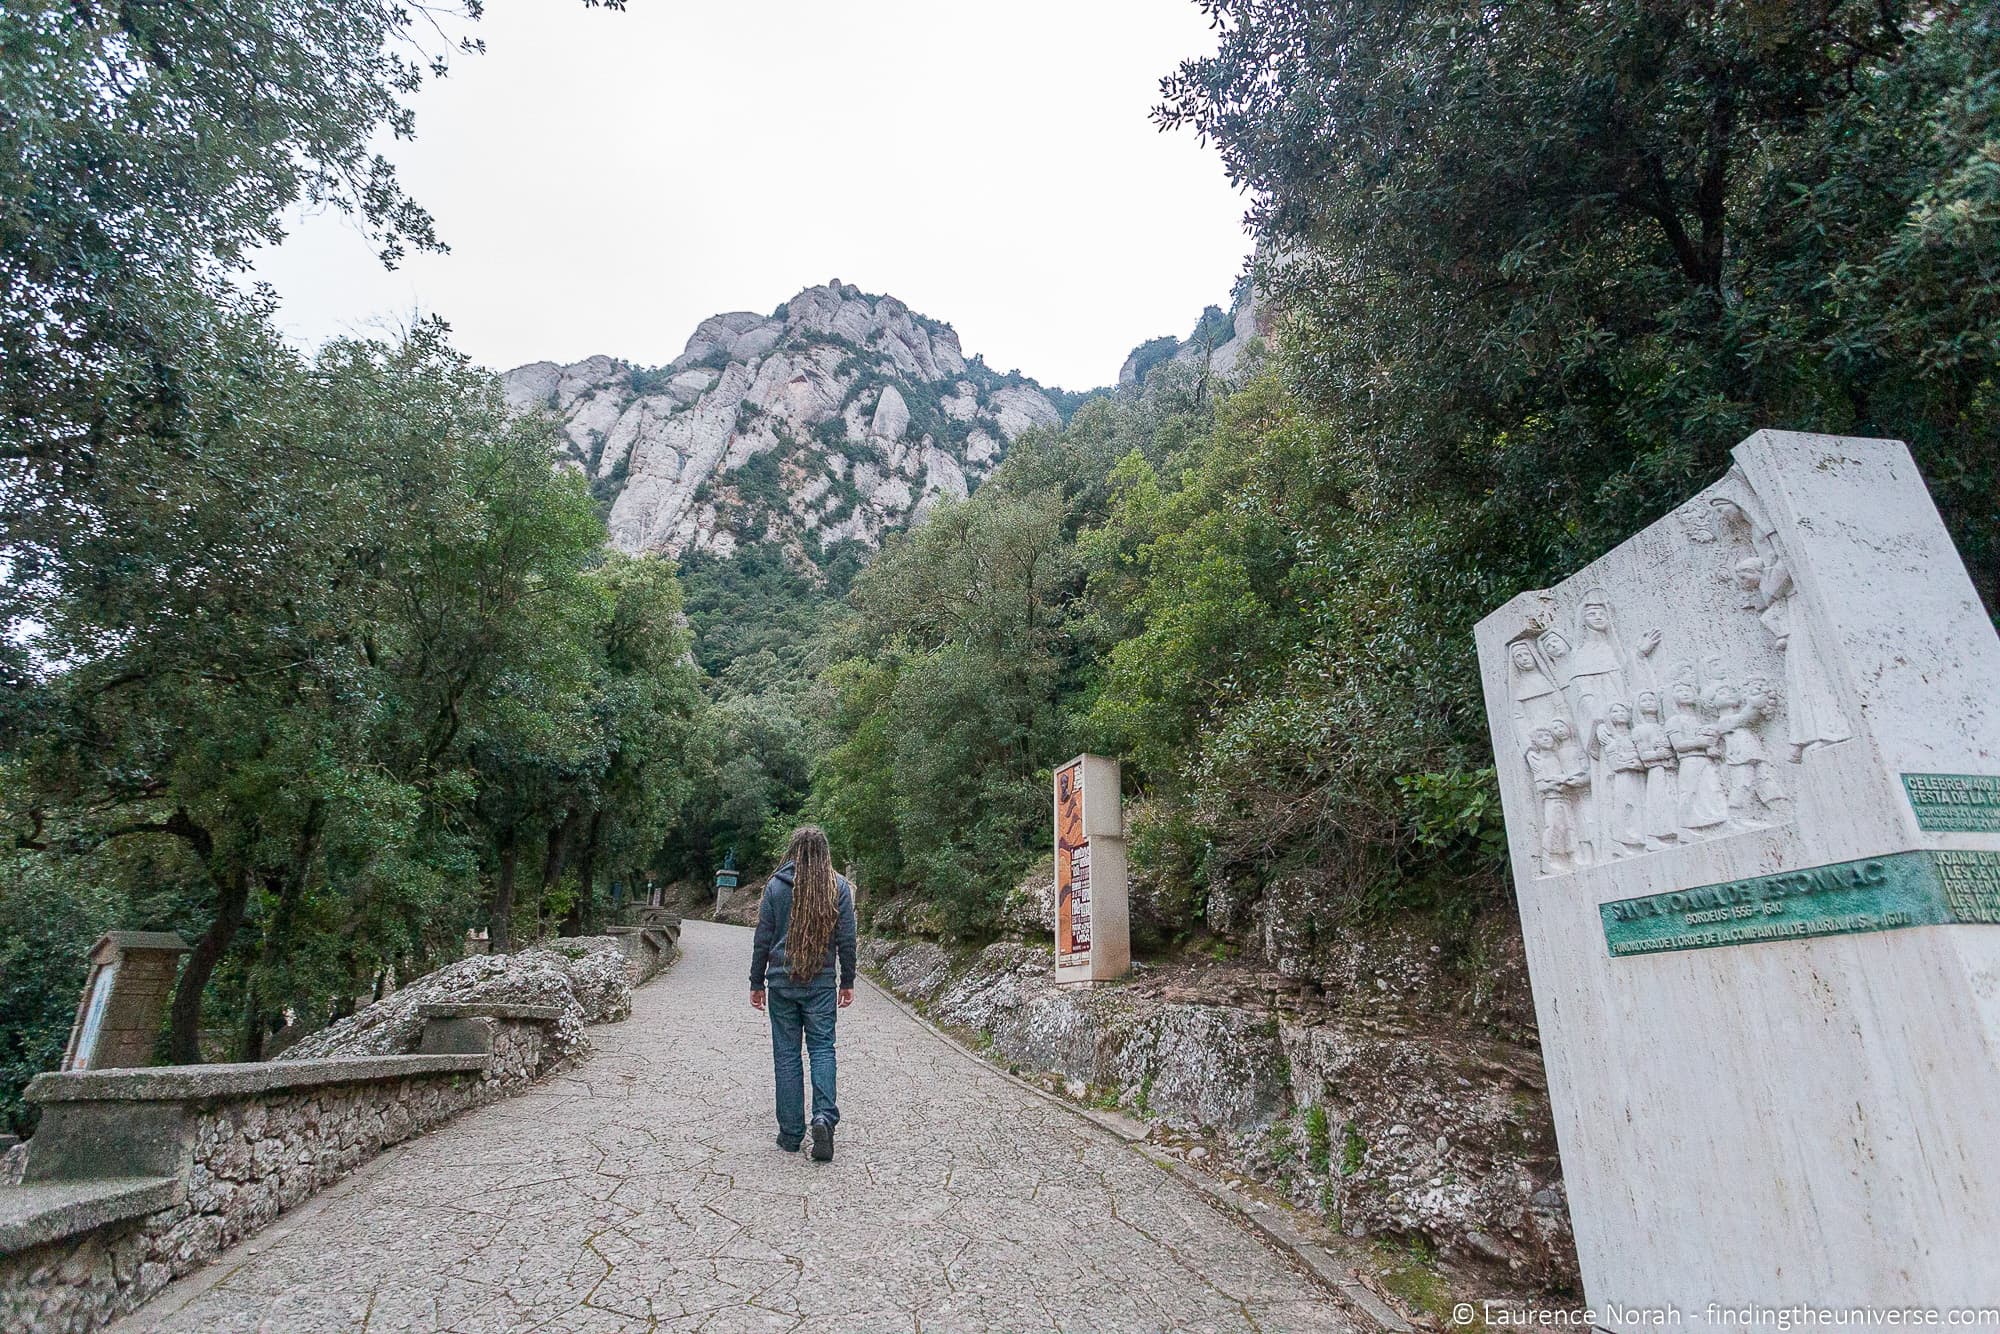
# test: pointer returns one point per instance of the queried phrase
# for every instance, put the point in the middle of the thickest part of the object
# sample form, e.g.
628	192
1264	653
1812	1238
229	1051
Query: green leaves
946	710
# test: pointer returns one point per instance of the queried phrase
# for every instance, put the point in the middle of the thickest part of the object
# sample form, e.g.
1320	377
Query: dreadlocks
815	904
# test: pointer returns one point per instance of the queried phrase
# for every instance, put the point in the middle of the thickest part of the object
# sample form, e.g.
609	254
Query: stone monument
1750	764
124	998
726	878
1093	939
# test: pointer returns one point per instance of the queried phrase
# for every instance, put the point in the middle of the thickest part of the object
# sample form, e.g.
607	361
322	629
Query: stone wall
240	1147
248	1159
136	1177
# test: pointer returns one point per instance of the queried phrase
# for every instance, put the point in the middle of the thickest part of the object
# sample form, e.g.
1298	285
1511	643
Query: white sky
608	180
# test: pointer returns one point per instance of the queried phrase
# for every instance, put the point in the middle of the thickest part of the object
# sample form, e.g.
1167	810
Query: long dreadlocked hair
815	903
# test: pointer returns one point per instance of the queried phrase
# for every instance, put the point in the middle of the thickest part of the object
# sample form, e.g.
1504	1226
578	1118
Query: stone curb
179	1083
38	1214
1273	1225
488	1010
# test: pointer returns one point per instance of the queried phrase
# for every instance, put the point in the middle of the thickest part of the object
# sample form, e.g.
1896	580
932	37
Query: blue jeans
808	1011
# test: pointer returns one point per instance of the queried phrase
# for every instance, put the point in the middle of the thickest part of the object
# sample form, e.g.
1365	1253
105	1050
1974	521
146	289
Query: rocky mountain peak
837	418
1227	345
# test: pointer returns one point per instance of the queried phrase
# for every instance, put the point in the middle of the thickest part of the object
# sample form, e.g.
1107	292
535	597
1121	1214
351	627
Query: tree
947	715
382	566
650	700
1554	260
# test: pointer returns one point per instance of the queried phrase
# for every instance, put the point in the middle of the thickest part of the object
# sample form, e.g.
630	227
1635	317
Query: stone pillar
1093	937
1750	765
124	999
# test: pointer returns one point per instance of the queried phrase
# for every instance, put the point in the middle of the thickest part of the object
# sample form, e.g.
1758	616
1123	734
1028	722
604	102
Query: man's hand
756	1000
846	997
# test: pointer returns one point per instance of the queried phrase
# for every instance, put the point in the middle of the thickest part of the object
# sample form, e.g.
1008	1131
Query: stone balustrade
648	941
135	1177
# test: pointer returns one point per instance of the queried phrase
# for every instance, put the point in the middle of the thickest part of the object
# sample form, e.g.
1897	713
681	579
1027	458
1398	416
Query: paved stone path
643	1191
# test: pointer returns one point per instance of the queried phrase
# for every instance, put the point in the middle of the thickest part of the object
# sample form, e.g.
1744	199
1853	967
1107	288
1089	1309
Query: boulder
892	415
1018	408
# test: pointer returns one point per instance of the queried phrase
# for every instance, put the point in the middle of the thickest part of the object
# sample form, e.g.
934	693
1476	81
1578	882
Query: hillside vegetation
1540	268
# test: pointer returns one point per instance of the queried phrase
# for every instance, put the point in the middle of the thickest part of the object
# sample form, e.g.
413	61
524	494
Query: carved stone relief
1628	759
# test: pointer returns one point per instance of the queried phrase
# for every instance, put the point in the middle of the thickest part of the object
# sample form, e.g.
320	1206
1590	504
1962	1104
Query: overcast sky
608	180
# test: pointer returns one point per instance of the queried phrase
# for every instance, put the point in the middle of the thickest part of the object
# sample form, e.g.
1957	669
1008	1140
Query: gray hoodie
774	924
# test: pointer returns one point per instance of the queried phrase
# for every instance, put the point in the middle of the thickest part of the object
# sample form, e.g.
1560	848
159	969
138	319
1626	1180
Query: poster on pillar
1092	941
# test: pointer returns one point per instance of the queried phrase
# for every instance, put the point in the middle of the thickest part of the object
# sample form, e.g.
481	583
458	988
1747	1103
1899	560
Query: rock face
1227	344
835	419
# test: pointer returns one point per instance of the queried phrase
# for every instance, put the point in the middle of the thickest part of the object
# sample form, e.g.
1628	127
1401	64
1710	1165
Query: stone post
1750	765
124	999
1093	939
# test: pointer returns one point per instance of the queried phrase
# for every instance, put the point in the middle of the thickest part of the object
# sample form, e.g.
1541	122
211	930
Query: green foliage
1213	329
1456	815
1542	268
945	710
646	380
1546	265
48	923
1319	1141
410	658
1150	354
1353	1149
760	481
749	605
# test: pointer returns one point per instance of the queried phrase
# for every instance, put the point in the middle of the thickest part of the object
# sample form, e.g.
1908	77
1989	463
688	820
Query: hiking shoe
822	1142
788	1145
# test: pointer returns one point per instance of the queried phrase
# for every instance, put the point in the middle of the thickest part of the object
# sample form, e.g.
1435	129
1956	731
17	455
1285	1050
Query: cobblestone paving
643	1191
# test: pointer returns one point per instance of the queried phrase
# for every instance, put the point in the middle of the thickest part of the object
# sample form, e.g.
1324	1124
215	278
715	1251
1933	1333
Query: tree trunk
291	888
499	920
184	1029
586	876
252	1040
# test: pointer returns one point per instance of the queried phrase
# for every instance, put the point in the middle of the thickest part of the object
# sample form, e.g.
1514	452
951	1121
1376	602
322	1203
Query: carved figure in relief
1699	525
1656	751
1813	715
1812	718
1537	701
1601	670
1698	746
1624	812
1753	791
1576	777
1552	785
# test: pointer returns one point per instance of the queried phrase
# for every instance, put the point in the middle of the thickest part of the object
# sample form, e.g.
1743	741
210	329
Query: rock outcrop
585	978
1225	346
837	418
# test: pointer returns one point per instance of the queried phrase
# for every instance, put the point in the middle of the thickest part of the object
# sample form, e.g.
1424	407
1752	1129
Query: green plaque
1955	803
1900	889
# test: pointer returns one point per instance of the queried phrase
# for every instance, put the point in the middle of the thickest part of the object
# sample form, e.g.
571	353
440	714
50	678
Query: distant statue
729	858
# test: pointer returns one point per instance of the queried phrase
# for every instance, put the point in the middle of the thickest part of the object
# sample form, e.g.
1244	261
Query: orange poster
1072	868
